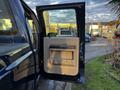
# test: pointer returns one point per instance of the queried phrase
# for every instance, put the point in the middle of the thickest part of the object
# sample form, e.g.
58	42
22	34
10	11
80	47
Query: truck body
26	52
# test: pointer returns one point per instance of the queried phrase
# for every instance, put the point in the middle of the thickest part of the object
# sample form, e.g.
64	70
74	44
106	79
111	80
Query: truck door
61	41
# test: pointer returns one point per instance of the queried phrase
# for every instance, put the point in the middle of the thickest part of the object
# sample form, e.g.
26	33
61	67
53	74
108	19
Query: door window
60	23
9	32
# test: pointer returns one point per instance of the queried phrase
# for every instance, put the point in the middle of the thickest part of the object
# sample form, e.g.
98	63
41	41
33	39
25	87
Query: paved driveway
97	48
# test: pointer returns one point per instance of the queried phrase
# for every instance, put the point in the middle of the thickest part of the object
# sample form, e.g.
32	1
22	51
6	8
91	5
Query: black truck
27	49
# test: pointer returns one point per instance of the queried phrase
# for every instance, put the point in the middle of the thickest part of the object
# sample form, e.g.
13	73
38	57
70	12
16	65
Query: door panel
61	55
25	69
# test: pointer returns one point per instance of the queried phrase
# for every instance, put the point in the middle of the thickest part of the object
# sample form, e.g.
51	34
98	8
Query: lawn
97	78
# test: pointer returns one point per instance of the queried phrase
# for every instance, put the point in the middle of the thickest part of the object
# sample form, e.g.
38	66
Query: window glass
9	32
60	22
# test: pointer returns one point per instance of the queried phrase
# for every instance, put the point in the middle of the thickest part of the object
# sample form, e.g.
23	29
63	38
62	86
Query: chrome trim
4	72
18	61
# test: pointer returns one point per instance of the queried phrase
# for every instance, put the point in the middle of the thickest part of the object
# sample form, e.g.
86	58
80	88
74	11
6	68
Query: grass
97	78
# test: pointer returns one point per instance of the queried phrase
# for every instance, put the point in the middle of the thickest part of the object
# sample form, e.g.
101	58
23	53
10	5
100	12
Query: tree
115	4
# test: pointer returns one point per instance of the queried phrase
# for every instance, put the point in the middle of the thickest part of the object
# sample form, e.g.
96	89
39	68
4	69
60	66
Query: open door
61	41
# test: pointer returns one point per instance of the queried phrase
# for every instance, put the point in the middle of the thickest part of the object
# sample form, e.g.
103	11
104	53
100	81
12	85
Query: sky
96	10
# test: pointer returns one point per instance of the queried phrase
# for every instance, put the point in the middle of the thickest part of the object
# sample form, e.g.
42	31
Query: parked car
88	38
65	33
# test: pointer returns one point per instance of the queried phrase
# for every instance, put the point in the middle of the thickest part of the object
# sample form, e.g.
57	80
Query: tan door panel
61	55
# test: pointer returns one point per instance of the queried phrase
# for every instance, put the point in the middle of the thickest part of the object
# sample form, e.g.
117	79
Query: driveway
97	48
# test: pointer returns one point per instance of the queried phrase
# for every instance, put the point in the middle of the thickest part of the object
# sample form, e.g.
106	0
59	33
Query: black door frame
80	15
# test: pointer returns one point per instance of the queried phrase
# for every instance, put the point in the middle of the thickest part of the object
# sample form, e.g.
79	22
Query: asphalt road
97	48
94	49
